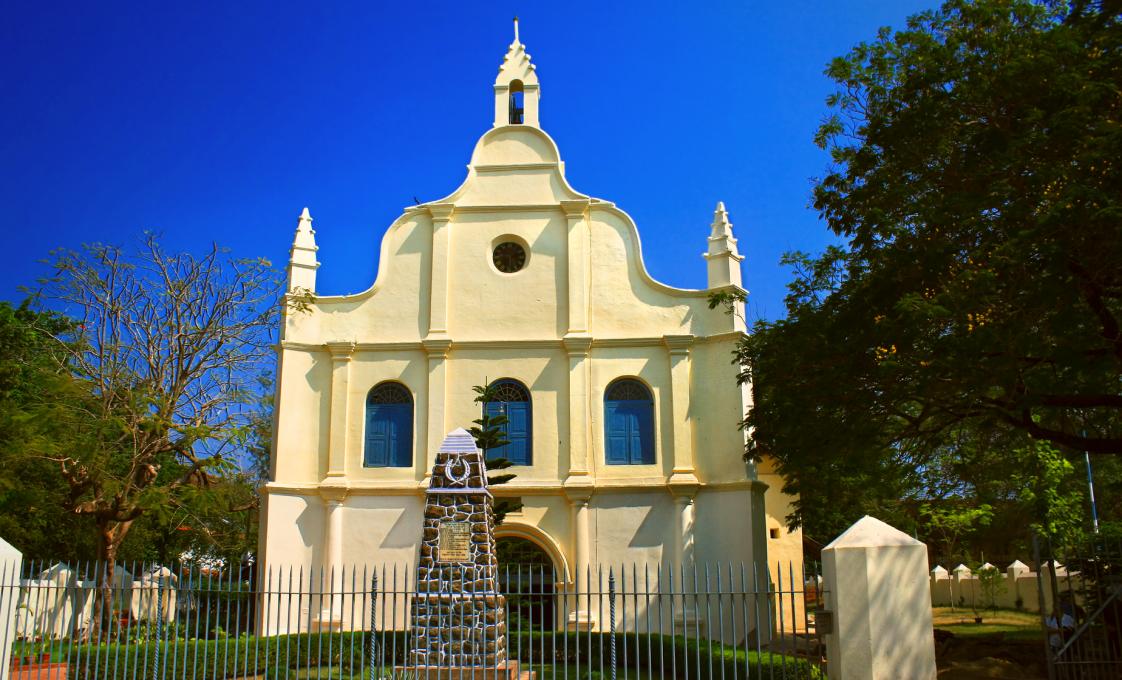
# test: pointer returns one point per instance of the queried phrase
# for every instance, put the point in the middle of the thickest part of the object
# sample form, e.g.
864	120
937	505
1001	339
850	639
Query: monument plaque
457	615
454	542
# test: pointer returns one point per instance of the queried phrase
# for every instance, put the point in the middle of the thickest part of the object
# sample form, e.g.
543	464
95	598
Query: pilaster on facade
580	263
341	353
436	351
678	353
579	349
579	498
441	214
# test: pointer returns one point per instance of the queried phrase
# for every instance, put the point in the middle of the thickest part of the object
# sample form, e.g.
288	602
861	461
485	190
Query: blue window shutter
617	426
389	435
629	431
401	446
642	435
518	432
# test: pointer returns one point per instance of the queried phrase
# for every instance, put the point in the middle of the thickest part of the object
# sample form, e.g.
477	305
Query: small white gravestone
11	562
877	586
154	595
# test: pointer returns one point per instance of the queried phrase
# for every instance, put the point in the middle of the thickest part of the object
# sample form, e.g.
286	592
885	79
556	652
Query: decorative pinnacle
515	29
721	226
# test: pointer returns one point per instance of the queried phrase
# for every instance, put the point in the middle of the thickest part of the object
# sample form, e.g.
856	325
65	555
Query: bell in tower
516	103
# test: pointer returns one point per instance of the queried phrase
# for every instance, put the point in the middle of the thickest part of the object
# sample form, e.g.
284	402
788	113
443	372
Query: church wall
544	372
622	304
716	409
723	522
651	366
484	303
295	532
631	527
302	408
440	318
367	370
394	309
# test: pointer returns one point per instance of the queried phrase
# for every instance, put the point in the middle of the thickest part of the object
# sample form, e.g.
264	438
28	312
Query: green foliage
489	434
951	522
344	654
146	393
992	583
977	291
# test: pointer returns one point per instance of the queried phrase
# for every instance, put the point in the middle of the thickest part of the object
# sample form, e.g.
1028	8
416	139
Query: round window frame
509	238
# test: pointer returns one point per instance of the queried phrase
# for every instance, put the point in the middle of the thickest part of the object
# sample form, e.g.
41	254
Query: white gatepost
877	589
11	562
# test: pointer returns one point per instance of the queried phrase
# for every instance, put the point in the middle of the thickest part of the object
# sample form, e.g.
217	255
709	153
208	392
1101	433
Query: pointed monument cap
1018	566
962	569
939	569
9	551
870	532
459	441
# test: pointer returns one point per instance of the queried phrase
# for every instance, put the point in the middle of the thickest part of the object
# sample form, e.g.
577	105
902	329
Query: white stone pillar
438	291
579	264
337	428
682	547
579	417
581	619
678	352
11	562
331	607
876	586
436	400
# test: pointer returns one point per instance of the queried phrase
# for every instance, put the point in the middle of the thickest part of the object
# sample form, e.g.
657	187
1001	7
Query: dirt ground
1007	645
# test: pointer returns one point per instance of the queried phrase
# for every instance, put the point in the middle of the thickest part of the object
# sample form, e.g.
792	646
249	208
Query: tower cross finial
515	29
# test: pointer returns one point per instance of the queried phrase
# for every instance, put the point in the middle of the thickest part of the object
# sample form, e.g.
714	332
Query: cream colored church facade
624	412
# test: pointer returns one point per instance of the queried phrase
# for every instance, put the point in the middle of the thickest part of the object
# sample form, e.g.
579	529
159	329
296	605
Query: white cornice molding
542	343
506	167
360	487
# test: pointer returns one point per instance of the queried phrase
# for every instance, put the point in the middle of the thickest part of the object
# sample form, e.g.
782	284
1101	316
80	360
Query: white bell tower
516	89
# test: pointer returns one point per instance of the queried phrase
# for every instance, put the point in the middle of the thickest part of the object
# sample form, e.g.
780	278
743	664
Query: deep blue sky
220	122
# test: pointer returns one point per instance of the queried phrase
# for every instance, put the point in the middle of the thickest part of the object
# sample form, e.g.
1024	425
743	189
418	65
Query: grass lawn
1016	625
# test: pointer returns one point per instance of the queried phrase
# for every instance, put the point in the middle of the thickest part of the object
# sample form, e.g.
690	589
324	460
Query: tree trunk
110	535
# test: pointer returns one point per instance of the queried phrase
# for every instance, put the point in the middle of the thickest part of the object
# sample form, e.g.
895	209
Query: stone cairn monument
458	615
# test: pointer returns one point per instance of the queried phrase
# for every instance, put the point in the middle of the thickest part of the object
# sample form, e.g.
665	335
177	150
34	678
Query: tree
31	492
489	434
163	356
977	190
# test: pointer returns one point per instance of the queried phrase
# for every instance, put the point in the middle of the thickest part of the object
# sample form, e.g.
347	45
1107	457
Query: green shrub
344	655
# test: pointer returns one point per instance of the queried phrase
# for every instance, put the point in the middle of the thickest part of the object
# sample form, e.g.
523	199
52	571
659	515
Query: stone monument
458	615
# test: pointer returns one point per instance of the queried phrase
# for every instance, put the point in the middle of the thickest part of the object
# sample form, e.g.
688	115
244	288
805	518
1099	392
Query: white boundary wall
962	587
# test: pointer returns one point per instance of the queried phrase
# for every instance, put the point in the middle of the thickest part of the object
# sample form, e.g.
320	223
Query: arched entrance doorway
526	577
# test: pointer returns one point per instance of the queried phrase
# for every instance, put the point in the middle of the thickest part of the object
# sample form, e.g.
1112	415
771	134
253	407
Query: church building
620	394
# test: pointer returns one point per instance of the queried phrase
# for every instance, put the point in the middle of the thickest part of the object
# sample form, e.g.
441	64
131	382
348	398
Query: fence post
877	588
159	623
373	622
612	618
11	565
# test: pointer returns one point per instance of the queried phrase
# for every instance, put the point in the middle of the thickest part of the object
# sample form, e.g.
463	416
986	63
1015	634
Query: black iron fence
134	622
1080	590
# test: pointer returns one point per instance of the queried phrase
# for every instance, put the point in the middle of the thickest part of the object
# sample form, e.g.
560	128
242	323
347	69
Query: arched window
512	399
629	423
516	102
389	427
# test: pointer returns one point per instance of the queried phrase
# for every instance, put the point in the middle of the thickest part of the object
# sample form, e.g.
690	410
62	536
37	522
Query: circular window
509	257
